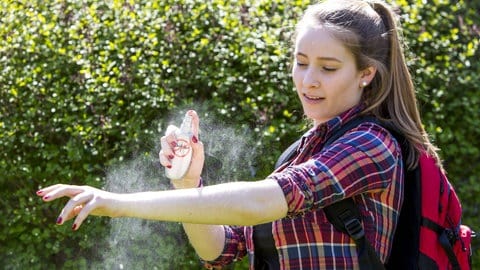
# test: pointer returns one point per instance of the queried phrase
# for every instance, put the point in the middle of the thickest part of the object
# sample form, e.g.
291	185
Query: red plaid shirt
365	164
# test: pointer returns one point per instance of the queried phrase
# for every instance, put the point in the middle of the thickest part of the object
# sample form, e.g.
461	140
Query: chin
320	119
316	116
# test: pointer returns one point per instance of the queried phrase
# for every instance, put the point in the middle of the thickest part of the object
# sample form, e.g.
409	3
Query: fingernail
194	139
39	192
171	156
74	226
46	197
169	166
173	144
59	220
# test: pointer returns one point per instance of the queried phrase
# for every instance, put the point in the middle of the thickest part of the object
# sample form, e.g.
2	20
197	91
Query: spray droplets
145	244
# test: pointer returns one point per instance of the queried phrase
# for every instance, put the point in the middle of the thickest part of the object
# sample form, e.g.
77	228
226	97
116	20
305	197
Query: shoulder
373	129
368	130
368	135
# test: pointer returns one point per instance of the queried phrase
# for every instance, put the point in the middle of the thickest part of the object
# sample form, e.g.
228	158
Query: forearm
207	240
240	203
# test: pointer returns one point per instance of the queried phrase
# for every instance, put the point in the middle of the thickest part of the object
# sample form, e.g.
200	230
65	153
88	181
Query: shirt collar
325	129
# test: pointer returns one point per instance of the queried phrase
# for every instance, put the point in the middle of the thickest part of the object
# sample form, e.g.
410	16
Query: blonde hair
371	31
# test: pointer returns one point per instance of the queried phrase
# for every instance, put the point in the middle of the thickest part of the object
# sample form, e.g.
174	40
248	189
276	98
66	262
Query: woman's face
325	75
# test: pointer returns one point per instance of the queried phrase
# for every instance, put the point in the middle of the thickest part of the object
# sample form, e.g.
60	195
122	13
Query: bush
87	88
443	40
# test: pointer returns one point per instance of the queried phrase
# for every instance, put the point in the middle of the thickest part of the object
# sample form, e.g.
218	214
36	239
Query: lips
312	98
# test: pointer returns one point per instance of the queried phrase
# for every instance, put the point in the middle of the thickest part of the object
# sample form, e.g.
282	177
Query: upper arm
363	160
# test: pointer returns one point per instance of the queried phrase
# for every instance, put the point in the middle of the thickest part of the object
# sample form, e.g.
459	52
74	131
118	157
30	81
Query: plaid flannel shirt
365	163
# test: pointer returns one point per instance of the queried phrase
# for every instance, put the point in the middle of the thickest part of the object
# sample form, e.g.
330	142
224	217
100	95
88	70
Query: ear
367	75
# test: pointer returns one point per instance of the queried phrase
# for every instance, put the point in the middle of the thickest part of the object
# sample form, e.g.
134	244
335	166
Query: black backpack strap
266	256
288	154
345	216
446	237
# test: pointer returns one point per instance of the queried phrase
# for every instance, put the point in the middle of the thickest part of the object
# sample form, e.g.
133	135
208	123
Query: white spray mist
145	244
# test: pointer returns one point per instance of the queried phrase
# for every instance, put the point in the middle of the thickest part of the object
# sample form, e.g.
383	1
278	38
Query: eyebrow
323	58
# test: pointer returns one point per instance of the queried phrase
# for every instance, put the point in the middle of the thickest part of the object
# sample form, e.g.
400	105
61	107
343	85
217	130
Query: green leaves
86	85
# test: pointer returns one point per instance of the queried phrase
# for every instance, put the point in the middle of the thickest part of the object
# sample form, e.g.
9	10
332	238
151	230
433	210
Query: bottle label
182	148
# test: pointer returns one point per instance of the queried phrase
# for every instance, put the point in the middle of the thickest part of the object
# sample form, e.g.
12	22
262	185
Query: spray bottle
182	150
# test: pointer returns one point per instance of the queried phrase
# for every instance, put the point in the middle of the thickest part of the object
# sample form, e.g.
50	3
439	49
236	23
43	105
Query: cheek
297	77
348	84
351	93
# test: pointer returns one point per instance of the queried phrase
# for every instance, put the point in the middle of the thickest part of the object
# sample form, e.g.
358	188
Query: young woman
348	61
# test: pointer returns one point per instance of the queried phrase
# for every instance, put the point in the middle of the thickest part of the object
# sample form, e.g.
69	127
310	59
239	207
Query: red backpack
429	233
444	241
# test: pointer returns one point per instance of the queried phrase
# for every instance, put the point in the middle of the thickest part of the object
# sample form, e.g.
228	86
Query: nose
310	80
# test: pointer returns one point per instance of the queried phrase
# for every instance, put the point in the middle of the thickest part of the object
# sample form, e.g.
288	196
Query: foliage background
87	87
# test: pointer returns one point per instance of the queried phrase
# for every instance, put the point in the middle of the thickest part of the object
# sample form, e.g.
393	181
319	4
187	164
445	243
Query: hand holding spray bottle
182	150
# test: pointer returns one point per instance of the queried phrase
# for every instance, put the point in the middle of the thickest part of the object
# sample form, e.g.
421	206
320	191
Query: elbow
261	211
254	217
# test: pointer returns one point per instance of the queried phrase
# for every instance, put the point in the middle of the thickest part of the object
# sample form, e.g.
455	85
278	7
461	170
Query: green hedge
87	88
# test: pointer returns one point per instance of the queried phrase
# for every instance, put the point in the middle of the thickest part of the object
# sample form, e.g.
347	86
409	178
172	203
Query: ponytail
399	104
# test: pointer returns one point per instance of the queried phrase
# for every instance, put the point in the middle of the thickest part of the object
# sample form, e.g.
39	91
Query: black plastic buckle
354	228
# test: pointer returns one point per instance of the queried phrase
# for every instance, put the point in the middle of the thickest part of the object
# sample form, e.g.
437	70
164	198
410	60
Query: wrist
187	183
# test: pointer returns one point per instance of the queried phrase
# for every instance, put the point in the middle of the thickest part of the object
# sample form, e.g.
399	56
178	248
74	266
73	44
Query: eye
300	64
329	69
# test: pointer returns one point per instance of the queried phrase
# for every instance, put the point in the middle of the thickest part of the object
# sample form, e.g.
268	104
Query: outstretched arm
238	203
199	209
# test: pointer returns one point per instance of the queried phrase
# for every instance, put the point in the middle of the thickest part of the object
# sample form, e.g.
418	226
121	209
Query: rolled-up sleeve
363	160
234	248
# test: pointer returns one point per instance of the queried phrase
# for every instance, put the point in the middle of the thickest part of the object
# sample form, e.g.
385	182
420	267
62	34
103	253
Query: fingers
57	191
77	206
45	190
195	143
42	192
198	156
198	150
83	201
195	124
167	143
84	212
62	218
